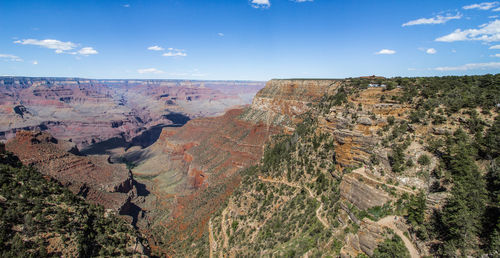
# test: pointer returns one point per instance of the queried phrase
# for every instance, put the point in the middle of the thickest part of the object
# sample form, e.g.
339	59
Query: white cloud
496	9
473	66
495	47
431	51
302	1
126	5
87	51
57	45
150	70
260	3
11	57
176	53
494	16
495	55
489	32
439	19
220	34
35	62
386	52
156	48
481	6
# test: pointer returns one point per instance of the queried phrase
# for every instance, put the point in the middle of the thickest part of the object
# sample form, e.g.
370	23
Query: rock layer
89	111
91	177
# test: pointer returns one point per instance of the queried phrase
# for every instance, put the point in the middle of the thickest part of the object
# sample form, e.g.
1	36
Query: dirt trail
389	222
323	221
270	180
224	228
213	244
362	172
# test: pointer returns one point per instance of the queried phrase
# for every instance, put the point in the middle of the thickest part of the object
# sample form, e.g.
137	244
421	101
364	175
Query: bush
424	160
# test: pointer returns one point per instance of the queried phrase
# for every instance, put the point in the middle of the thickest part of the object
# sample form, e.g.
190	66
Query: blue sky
248	39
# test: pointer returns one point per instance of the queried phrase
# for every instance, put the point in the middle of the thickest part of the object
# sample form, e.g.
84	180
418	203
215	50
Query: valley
310	168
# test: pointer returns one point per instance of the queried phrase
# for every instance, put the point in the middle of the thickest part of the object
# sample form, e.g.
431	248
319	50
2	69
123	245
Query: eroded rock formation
93	178
91	111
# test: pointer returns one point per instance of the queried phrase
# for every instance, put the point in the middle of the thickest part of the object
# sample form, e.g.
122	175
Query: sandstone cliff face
91	177
281	101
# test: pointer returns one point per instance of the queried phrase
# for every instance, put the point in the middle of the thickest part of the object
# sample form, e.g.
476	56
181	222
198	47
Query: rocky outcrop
91	177
281	101
369	235
363	192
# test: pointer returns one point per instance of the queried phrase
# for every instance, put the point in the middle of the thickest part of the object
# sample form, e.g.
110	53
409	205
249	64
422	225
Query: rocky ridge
110	185
363	159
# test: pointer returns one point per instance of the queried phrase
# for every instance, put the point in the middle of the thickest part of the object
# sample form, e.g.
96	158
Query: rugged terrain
355	167
39	217
407	168
92	177
131	112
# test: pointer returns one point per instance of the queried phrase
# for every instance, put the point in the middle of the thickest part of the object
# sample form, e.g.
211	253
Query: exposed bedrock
91	177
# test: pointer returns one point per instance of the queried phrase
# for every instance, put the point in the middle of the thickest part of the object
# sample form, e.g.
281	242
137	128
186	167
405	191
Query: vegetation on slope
40	218
274	213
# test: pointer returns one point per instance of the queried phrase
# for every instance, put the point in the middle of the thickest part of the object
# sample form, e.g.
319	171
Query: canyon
309	167
130	112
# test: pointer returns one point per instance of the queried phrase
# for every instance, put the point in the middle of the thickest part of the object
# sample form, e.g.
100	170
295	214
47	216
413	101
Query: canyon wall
87	111
92	177
192	170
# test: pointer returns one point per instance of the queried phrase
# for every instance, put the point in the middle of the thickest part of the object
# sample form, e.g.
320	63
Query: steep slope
38	217
110	185
370	169
192	170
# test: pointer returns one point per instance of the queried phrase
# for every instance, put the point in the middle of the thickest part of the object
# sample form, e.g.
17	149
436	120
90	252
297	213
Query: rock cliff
110	185
359	167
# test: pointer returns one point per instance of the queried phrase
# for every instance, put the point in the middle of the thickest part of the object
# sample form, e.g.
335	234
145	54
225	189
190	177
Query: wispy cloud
220	34
58	46
439	19
11	57
495	55
35	62
386	52
260	3
126	5
488	32
481	6
149	71
87	51
177	53
156	48
495	47
170	51
302	1
472	66
431	51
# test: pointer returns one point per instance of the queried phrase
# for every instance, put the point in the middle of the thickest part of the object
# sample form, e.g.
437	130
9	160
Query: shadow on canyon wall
144	140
